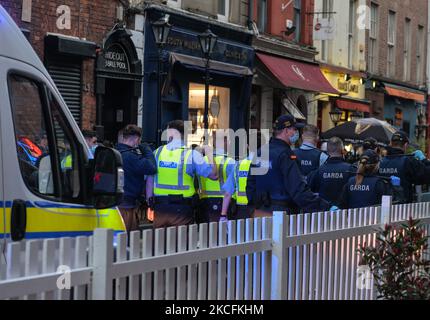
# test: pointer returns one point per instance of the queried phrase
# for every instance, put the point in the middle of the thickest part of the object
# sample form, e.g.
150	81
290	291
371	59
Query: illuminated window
219	109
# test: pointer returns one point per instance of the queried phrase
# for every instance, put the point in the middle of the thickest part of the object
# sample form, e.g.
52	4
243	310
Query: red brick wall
90	20
416	10
277	19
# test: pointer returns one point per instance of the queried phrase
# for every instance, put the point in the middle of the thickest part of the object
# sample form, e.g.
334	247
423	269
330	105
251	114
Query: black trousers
243	212
173	215
210	210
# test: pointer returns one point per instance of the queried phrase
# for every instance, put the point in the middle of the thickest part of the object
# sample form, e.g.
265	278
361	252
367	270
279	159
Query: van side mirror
108	178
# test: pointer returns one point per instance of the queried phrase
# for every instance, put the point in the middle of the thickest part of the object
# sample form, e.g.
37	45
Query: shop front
183	70
351	102
119	83
403	108
289	87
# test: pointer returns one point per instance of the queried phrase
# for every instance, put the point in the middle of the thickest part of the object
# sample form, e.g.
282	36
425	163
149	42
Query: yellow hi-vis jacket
213	188
241	178
171	177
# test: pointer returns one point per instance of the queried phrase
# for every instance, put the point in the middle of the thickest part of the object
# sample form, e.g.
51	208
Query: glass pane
30	132
219	110
67	153
221	7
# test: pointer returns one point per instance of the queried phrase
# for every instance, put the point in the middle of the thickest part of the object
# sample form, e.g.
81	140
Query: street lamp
356	115
336	116
207	41
161	29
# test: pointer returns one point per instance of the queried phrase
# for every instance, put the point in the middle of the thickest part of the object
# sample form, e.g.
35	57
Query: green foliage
399	269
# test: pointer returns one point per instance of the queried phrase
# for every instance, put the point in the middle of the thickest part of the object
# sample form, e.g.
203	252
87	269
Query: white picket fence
302	257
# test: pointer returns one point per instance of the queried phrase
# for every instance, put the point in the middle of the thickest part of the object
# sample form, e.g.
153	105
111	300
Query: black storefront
119	84
183	68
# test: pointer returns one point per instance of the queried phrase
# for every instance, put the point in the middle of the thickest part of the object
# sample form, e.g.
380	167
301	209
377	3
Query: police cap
287	121
370	144
400	136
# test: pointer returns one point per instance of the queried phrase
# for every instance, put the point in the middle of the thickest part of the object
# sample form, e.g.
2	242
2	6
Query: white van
50	185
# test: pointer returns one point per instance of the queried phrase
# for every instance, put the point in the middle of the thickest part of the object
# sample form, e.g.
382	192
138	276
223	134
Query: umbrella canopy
358	130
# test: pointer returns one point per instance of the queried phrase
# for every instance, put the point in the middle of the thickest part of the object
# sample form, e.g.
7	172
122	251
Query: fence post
103	260
387	202
279	256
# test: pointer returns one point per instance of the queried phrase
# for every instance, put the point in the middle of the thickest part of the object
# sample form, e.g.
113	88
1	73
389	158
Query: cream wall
337	52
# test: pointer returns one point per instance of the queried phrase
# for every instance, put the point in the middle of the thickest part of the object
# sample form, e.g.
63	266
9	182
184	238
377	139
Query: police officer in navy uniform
366	189
406	167
309	157
328	181
283	187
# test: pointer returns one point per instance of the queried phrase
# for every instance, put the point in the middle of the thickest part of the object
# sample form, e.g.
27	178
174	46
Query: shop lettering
242	56
195	46
347	86
116	60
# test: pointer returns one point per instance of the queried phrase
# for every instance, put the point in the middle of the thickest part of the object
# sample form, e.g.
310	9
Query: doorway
120	108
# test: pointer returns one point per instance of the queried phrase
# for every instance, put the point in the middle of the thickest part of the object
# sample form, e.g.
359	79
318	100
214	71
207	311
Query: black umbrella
357	131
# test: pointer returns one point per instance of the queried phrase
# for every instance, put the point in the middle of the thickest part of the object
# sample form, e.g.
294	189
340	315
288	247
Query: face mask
295	138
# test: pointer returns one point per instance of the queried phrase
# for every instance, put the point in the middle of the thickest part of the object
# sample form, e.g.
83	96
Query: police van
50	184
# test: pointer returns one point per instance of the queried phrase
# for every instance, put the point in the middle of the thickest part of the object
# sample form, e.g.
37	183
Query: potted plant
397	262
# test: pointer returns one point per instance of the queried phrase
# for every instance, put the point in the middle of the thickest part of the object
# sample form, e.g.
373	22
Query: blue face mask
295	138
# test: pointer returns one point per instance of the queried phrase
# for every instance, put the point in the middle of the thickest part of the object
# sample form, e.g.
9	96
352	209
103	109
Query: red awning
352	105
405	93
299	75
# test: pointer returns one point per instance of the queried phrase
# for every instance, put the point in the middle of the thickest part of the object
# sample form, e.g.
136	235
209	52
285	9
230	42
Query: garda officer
310	158
410	170
138	162
283	187
171	192
236	192
331	177
367	188
211	193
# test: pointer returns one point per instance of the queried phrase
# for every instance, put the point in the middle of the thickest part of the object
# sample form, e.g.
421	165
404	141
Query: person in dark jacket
309	157
283	187
406	167
328	181
366	189
138	162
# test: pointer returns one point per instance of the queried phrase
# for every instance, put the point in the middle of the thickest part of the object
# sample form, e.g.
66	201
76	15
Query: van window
67	152
31	135
47	151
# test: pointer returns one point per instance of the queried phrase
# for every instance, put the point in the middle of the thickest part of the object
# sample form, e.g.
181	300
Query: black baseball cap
369	157
287	121
370	144
400	136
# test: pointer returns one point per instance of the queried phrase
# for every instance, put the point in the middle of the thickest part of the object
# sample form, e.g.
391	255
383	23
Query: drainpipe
250	13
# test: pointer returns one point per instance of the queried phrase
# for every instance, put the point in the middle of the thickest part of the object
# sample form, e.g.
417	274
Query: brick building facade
396	49
87	20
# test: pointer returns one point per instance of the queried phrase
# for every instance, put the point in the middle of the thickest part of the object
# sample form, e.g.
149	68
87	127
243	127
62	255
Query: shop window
219	109
298	19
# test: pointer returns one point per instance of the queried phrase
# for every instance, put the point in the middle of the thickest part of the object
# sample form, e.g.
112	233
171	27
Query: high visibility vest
171	177
241	178
67	163
212	188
